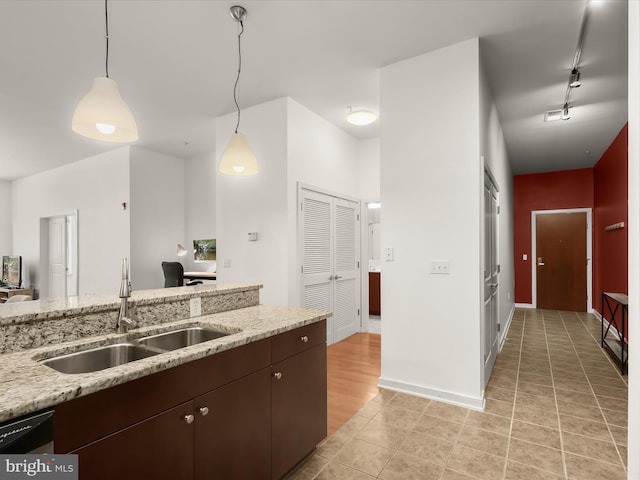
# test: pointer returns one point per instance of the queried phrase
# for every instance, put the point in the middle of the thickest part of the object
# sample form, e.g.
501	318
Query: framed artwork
204	250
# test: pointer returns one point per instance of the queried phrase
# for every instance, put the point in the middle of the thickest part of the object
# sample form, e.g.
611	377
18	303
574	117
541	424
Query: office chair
174	275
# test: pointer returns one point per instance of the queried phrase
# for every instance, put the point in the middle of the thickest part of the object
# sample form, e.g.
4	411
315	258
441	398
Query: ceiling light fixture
102	114
574	76
360	117
238	158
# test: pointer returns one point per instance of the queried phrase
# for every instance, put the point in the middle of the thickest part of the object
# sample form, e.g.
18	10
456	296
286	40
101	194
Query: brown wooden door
561	261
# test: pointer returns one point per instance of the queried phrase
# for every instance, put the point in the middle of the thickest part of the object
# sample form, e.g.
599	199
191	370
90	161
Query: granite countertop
27	385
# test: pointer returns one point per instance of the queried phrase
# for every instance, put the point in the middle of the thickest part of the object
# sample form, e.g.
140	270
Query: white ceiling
176	61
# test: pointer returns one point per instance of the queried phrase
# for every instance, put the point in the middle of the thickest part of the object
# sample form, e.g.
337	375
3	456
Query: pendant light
102	114
238	158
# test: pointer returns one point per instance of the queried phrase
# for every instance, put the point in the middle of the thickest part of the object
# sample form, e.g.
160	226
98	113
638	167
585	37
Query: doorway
561	263
59	256
329	232
491	329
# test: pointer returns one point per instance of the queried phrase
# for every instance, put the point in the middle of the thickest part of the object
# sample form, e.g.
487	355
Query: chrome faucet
124	321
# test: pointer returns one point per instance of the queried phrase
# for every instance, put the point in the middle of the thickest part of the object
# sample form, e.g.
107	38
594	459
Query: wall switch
195	307
253	236
440	267
226	263
388	254
524	256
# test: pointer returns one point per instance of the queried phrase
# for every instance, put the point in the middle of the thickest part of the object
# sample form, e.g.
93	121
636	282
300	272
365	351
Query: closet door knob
204	411
189	418
277	375
304	339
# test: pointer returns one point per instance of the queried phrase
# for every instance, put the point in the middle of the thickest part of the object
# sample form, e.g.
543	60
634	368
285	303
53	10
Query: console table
617	305
6	293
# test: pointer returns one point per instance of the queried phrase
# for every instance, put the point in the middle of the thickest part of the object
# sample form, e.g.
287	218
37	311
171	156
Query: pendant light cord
106	28
235	87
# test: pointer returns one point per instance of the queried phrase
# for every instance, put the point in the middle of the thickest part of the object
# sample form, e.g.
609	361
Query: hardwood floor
353	369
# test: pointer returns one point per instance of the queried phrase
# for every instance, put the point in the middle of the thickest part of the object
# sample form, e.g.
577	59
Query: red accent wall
543	191
611	206
604	189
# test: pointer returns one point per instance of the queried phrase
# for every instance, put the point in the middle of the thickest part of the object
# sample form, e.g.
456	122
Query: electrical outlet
195	307
440	267
226	263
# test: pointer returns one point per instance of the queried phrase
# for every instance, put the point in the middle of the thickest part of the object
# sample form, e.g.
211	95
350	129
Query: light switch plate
226	263
195	307
388	254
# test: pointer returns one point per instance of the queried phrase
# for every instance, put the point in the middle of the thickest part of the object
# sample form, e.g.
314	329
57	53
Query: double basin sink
100	358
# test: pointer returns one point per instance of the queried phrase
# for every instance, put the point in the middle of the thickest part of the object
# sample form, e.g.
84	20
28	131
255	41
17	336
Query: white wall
157	214
6	219
494	151
200	214
319	155
96	187
256	203
431	190
369	154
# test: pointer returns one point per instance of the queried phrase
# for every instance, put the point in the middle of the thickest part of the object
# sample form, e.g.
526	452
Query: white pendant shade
238	158
102	114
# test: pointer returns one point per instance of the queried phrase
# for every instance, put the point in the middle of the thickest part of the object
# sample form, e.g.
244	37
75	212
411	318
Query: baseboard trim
440	395
506	328
524	305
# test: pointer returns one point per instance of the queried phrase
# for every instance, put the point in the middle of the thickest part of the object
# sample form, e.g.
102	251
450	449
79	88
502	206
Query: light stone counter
27	385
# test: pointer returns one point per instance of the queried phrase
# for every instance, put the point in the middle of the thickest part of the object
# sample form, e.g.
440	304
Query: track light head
574	78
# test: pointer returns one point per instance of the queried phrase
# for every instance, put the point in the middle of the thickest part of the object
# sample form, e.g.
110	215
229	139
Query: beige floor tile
410	402
433	449
363	456
438	427
538	456
536	401
577	397
518	471
581	387
398	417
497	407
382	434
453	475
488	421
406	467
353	425
449	412
615	417
310	468
371	409
534	389
545	436
484	440
330	447
619	434
613	403
502	382
589	447
535	378
478	464
584	427
579	410
544	417
336	470
605	390
582	468
623	454
502	394
610	380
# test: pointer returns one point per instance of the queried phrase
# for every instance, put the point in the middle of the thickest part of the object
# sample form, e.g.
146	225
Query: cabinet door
232	430
299	408
159	447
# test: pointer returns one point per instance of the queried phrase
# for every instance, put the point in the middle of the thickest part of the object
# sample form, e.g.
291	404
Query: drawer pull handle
189	418
204	411
277	375
304	339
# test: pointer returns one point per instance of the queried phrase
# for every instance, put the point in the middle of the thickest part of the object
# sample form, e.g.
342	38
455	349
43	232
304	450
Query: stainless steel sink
182	338
99	358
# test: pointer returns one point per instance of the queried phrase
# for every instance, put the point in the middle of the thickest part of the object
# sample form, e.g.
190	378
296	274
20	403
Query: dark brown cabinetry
224	416
374	293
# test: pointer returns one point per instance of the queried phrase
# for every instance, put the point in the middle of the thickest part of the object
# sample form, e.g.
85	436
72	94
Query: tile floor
556	409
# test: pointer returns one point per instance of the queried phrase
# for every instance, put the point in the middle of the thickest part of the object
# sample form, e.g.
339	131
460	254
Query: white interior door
491	274
57	257
330	267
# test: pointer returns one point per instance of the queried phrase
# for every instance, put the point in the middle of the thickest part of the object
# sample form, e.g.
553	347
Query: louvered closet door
330	252
317	254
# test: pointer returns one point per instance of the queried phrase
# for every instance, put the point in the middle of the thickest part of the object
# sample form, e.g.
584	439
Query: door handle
334	277
540	262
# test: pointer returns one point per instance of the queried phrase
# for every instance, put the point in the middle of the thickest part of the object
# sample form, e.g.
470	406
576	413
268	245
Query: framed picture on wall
204	250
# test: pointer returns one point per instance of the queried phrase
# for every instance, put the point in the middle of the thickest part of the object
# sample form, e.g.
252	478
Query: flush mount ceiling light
360	117
238	158
102	114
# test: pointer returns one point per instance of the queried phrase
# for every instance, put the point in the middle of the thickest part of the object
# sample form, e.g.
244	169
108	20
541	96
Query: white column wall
157	214
256	203
96	187
6	219
369	154
200	214
431	178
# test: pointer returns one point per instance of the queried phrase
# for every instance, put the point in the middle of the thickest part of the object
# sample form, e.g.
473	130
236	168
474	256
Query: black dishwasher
32	433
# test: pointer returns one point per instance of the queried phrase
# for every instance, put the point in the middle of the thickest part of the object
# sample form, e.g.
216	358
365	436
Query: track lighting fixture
102	114
565	112
238	158
574	78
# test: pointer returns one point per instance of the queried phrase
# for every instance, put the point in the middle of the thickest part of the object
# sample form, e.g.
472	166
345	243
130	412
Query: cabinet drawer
298	340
